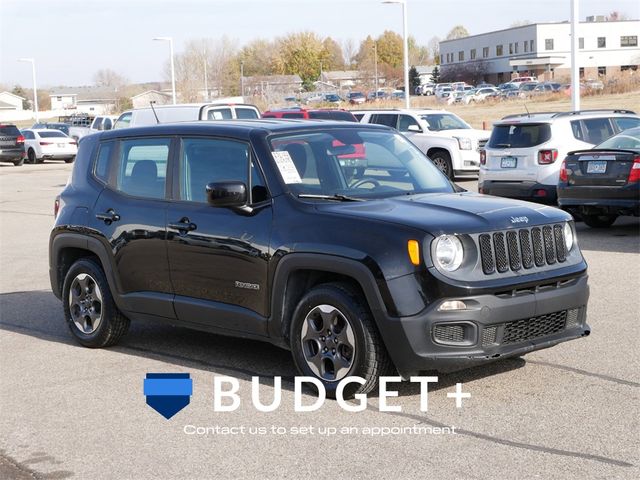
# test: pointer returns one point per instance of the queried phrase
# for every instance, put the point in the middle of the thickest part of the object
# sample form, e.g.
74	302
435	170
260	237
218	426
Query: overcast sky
72	39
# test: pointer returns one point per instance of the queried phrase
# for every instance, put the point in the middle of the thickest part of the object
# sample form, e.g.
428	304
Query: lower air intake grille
535	327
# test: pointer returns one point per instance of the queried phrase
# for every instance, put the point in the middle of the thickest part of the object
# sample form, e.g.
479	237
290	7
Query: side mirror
226	194
414	128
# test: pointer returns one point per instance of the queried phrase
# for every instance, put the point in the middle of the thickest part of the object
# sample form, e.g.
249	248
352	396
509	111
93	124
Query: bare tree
457	32
617	16
108	78
349	51
434	48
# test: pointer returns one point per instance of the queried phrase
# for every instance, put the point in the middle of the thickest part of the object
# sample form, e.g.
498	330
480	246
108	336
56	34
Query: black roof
239	128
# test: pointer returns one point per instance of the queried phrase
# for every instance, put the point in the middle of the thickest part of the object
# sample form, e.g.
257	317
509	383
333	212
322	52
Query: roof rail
596	110
516	115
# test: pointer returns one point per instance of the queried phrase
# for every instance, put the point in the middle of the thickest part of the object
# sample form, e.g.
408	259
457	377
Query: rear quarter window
520	135
624	123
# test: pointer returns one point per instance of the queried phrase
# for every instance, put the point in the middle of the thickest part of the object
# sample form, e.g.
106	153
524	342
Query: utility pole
575	69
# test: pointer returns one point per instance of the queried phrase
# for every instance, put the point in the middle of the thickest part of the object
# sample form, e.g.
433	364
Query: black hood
438	213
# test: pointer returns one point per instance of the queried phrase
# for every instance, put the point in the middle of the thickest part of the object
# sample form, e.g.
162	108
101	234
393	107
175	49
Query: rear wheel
31	154
599	221
333	336
18	162
442	160
89	309
69	160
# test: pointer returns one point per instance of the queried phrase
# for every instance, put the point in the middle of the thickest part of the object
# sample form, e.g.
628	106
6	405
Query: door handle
108	216
184	225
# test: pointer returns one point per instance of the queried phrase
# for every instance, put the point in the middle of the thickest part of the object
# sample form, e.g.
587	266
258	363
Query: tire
599	221
340	310
442	160
31	155
102	324
18	162
69	160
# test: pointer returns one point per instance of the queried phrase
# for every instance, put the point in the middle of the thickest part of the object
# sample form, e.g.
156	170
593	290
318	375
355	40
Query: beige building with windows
543	50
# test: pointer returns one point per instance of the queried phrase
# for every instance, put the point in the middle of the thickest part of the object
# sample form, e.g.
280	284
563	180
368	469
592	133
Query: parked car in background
480	94
356	98
519	80
186	112
527	89
332	98
11	144
485	85
521	159
379	95
63	127
427	89
444	137
443	93
81	125
44	144
603	183
592	84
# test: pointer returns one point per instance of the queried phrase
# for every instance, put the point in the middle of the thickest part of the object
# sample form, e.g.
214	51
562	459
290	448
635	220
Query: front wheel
89	309
442	160
333	336
599	221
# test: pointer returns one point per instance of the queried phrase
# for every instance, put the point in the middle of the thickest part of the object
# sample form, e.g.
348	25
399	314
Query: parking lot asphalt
70	412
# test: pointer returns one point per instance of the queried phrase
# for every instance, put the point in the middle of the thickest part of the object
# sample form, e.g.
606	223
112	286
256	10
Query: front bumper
493	326
531	191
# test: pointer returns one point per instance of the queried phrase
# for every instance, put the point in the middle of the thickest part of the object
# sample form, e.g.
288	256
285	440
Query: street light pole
375	63
575	69
35	88
405	35
173	70
206	85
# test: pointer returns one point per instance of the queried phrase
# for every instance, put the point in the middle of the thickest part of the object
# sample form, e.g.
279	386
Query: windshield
627	140
354	163
443	121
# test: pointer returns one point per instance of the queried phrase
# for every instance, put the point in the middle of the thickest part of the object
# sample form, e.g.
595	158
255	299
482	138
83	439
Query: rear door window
388	119
519	136
142	170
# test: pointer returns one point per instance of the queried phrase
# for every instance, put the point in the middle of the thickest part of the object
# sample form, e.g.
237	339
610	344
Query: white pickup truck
445	138
82	125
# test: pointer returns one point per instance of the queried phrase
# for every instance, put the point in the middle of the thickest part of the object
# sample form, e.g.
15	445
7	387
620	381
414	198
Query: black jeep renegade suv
252	228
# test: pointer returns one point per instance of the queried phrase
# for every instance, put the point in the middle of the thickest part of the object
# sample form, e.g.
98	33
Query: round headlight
568	236
449	252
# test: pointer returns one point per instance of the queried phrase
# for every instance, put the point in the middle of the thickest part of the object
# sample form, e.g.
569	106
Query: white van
186	112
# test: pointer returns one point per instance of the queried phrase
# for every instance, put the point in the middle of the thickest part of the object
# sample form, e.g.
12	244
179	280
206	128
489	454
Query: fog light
452	305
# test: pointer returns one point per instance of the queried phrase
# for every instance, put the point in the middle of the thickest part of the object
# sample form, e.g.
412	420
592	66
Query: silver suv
523	156
443	136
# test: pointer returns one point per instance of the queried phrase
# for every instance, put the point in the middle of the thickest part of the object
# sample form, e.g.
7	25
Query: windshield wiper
505	145
337	196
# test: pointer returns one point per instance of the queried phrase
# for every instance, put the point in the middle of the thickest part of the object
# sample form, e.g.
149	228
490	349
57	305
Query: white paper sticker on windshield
286	166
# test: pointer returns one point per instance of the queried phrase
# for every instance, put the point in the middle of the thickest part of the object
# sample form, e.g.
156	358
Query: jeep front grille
522	249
